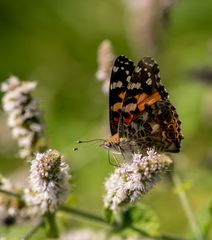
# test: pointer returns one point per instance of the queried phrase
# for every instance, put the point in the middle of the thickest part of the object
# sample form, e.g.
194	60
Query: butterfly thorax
112	144
121	146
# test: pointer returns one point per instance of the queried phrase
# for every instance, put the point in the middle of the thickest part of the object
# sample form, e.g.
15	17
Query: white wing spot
127	72
137	85
115	69
149	81
122	68
134	85
130	86
145	69
137	69
119	84
116	85
149	74
112	86
128	78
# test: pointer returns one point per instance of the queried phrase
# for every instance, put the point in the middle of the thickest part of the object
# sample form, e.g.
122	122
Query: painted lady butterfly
141	116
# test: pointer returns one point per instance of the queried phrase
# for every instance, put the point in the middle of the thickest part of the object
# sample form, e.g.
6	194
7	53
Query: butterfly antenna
92	140
87	141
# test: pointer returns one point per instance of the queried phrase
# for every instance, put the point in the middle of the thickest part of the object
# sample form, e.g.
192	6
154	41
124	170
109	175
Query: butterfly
141	115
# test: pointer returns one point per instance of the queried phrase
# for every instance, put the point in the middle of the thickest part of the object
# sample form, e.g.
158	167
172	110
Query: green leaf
142	219
205	220
108	215
50	225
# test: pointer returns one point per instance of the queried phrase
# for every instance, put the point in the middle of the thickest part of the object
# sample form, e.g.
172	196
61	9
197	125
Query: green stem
33	230
10	193
83	214
163	236
186	207
51	226
166	236
101	220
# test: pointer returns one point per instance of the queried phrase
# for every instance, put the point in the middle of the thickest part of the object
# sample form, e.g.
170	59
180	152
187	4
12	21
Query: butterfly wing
144	88
148	118
121	74
158	126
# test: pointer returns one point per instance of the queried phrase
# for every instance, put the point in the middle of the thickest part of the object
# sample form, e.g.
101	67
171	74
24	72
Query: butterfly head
112	144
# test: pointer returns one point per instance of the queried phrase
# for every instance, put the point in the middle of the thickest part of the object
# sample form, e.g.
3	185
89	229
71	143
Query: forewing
120	77
144	88
148	119
158	126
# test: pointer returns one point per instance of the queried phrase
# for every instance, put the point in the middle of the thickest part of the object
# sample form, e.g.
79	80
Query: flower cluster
89	234
83	234
146	20
105	59
49	181
132	180
10	206
24	117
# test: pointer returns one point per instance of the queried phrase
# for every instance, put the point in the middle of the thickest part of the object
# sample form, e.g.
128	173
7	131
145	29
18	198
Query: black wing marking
144	88
120	76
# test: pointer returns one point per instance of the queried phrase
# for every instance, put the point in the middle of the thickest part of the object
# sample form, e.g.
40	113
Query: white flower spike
24	117
134	179
49	181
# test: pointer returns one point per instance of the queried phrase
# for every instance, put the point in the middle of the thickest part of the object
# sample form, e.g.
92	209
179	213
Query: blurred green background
55	43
